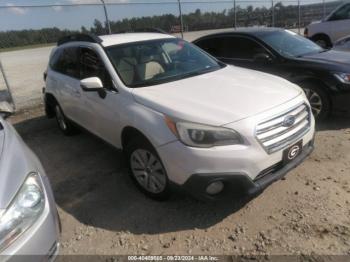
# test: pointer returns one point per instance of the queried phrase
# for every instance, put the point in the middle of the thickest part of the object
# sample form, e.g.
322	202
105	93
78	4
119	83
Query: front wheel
147	169
319	101
65	125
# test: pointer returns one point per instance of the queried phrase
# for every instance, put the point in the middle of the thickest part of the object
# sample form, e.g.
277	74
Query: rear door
64	78
237	50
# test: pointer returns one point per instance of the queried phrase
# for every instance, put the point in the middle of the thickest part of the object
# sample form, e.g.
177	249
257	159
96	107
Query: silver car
29	222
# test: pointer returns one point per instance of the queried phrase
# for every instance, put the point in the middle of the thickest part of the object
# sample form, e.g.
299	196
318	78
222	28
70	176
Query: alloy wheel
315	101
148	171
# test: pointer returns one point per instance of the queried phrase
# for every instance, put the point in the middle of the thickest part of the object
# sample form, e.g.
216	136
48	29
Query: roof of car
124	38
255	31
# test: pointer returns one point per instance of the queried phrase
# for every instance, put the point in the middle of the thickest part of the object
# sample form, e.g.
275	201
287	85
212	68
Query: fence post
7	86
181	19
234	14
273	13
107	20
299	17
324	9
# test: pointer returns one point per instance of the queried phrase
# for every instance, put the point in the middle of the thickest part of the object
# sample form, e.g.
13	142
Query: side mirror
6	109
262	58
91	84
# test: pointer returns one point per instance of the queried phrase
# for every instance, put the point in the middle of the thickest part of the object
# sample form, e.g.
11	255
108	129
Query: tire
319	100
64	124
147	170
323	41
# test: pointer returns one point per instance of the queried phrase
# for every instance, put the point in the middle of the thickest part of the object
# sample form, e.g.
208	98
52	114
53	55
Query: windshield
290	44
155	62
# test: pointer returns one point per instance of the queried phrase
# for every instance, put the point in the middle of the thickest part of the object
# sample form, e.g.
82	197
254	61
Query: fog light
215	188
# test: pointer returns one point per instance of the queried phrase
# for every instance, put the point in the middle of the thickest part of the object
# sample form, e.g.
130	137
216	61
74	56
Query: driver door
240	51
101	108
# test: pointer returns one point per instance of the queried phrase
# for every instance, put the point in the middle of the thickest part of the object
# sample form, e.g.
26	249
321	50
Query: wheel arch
322	35
50	102
318	83
129	133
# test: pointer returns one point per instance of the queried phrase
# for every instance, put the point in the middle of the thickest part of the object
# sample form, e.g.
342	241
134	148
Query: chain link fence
26	25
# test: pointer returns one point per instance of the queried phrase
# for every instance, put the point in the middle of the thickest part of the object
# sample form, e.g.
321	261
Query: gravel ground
103	213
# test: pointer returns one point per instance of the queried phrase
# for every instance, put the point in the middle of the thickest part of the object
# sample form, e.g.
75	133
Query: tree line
284	16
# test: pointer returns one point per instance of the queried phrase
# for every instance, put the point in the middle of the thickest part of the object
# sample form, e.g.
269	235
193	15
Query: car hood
332	56
219	97
16	162
2	138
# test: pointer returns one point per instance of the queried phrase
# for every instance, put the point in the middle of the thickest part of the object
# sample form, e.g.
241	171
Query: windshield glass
290	44
159	61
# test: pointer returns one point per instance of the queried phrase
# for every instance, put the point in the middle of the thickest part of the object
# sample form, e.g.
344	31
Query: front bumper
238	184
340	100
41	241
246	167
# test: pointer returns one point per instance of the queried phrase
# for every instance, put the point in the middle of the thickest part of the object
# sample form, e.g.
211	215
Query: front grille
275	134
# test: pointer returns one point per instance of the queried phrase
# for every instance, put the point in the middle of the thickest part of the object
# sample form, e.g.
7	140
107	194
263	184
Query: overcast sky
15	15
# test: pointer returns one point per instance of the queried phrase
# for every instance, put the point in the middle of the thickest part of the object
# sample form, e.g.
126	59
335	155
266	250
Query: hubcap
148	171
60	118
315	101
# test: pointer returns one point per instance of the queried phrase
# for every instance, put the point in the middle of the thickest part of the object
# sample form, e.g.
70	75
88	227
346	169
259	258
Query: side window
342	14
65	61
210	45
233	47
55	59
240	48
92	66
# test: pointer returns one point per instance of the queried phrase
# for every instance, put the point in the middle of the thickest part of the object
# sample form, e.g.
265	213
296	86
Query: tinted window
210	45
65	61
55	59
342	14
232	47
92	66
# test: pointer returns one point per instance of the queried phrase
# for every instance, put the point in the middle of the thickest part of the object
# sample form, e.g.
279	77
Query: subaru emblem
289	121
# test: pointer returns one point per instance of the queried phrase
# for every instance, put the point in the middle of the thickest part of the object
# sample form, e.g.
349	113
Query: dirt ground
103	213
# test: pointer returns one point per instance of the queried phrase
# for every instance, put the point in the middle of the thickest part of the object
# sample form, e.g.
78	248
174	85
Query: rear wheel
147	170
318	99
64	124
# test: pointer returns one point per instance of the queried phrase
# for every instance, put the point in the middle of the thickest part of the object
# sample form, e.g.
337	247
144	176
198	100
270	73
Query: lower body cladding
221	172
41	241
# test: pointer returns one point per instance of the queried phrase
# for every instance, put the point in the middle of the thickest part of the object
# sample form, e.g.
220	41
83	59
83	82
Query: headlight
198	135
343	77
23	211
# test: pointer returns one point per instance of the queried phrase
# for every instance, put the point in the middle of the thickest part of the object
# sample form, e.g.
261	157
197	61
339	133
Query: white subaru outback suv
182	118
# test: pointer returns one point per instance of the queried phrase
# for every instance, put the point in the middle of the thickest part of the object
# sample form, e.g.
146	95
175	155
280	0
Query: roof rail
145	30
79	38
